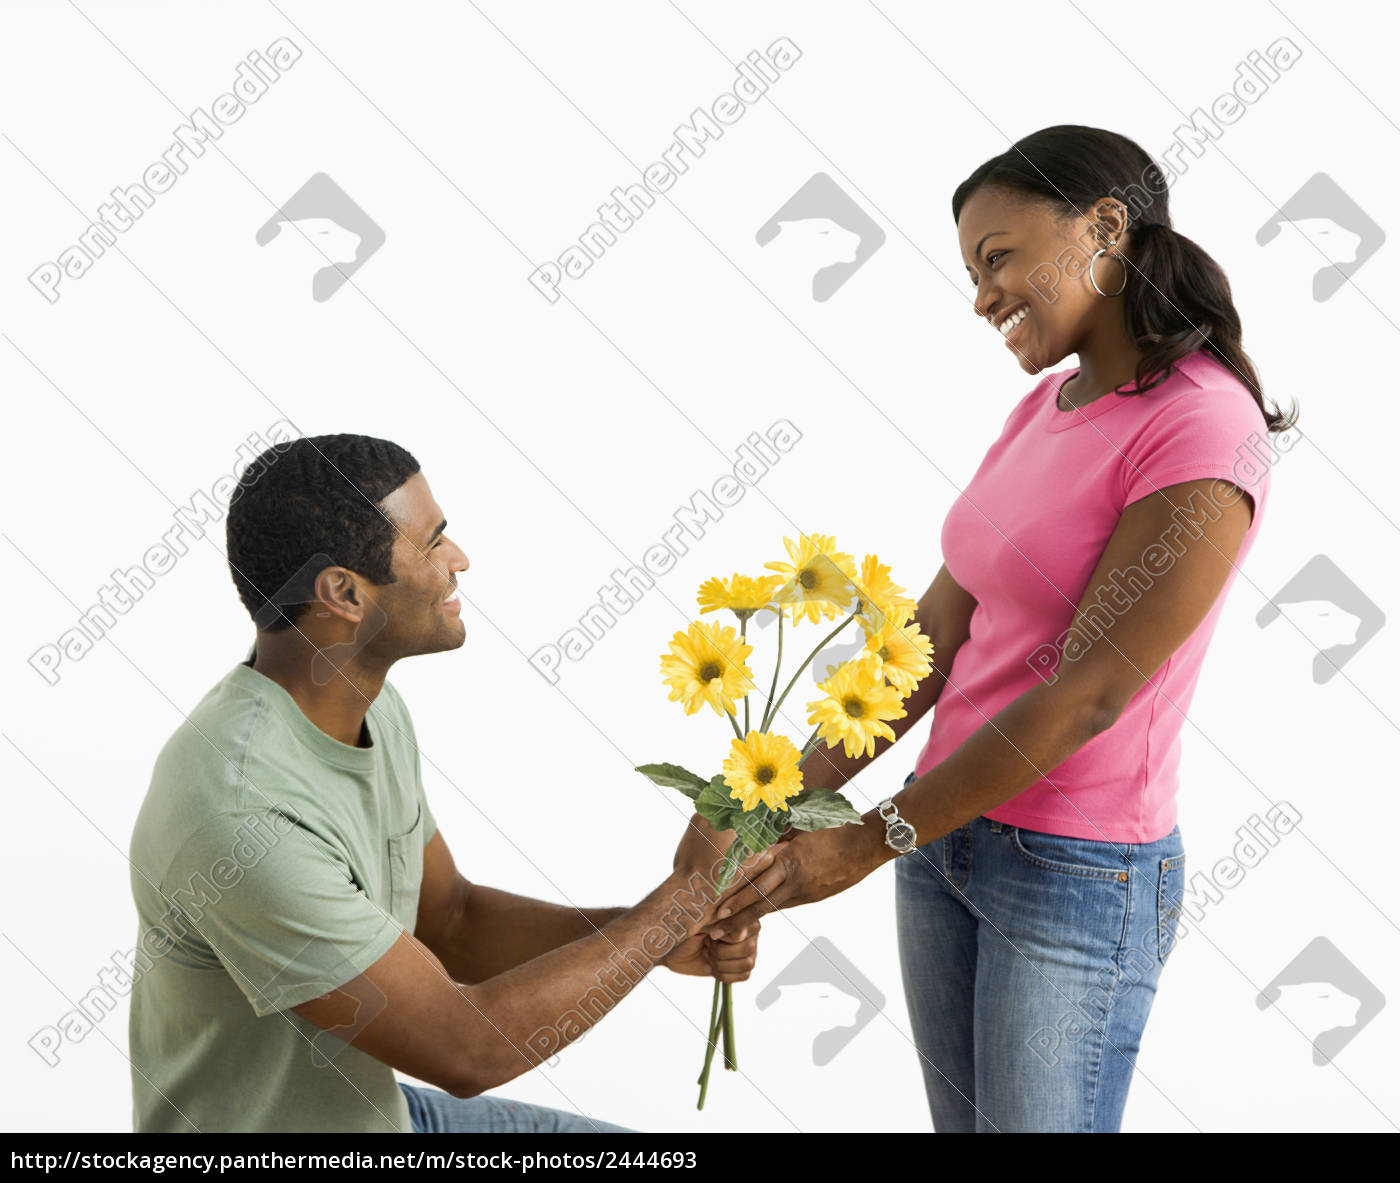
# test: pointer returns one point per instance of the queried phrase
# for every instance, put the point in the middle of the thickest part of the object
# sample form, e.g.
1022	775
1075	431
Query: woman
1085	566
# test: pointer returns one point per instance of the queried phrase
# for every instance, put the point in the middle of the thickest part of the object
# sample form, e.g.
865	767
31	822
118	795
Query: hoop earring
1095	282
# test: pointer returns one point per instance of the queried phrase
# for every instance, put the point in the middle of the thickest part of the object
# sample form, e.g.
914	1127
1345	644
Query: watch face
901	836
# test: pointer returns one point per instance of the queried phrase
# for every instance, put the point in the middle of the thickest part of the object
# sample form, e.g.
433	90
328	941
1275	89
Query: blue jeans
1030	963
436	1112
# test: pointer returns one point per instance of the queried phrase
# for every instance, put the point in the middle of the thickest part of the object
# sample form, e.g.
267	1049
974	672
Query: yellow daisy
817	583
706	665
882	601
901	655
856	708
763	767
741	594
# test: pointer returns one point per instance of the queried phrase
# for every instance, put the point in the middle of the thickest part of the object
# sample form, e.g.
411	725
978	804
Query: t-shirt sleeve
1206	433
277	905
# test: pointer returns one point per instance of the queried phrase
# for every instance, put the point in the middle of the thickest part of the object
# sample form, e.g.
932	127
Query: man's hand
729	960
697	864
806	868
701	847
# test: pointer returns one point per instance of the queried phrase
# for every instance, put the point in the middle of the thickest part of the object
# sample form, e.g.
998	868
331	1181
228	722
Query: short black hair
305	505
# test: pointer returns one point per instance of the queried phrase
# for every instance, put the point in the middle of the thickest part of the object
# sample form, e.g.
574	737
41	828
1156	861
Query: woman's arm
945	616
1203	523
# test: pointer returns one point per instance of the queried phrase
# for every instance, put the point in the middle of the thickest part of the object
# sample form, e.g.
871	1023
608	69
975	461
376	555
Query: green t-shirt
270	865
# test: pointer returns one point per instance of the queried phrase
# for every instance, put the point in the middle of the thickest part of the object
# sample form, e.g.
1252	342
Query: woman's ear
1110	220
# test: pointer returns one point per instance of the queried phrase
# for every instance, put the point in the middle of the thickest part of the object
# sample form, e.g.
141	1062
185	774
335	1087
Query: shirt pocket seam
402	849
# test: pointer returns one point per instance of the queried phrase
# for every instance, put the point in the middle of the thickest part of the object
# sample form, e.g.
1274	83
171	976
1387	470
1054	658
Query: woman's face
1030	268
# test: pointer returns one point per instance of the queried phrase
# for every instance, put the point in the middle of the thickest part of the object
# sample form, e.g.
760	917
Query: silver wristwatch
899	834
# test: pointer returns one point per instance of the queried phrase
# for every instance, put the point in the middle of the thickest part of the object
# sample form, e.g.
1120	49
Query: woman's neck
1103	368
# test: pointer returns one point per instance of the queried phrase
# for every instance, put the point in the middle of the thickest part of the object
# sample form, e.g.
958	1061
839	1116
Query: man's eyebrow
442	525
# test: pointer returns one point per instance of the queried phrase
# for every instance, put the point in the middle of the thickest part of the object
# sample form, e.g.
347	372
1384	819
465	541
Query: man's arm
478	932
406	1010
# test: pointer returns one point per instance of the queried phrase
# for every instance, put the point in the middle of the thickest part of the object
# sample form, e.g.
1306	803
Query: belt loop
996	826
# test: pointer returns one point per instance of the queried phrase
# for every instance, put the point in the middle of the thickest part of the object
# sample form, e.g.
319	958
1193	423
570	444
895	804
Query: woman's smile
1013	327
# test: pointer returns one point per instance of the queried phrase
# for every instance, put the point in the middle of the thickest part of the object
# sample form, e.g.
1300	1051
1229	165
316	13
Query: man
304	928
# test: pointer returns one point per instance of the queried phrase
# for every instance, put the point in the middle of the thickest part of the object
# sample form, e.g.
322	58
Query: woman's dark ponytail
1176	297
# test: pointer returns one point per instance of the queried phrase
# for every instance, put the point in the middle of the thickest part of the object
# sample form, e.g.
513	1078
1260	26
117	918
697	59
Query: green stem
812	744
777	665
743	635
704	1078
731	1059
822	644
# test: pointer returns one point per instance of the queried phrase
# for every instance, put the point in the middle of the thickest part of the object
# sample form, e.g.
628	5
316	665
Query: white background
560	438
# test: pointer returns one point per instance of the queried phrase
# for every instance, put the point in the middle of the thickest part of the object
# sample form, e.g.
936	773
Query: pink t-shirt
1024	538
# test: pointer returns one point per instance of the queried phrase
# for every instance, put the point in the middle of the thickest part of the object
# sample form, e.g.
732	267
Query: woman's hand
806	868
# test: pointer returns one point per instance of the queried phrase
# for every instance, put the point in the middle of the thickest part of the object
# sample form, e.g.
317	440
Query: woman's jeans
1030	963
436	1112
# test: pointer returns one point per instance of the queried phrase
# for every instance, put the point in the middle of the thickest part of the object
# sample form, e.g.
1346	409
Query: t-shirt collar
327	747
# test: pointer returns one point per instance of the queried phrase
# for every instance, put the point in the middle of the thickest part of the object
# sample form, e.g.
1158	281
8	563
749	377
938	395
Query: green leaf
716	806
673	776
729	865
821	809
760	827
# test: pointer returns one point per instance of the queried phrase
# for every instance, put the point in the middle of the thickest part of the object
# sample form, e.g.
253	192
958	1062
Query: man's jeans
1030	964
436	1112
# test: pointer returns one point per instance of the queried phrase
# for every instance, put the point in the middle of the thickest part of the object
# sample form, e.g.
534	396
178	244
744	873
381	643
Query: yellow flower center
764	773
807	578
709	671
884	653
853	707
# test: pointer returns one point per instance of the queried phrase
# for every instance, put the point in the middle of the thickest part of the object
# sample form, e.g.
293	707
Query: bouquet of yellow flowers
759	794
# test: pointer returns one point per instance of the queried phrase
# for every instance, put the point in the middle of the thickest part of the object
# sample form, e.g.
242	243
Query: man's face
424	614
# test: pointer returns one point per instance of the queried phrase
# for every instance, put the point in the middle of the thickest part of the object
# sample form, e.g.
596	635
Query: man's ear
339	594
